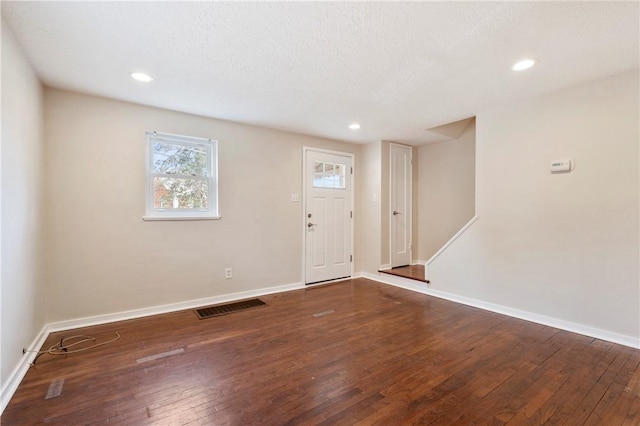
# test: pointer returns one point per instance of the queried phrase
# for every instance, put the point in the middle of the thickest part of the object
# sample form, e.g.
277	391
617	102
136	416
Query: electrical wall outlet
228	274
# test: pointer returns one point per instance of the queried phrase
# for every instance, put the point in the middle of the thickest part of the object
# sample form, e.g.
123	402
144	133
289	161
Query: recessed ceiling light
354	126
523	64
140	76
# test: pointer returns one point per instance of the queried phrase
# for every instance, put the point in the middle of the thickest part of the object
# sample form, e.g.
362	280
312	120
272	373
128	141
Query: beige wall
564	246
385	199
22	288
415	206
447	190
369	210
104	258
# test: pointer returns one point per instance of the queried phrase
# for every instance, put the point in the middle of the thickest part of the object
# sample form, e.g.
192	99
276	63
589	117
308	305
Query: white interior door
328	216
400	205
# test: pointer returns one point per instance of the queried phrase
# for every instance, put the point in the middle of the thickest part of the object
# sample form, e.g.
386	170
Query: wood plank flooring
384	356
413	272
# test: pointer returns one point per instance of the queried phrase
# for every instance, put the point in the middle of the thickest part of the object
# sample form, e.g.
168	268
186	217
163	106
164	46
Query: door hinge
351	170
351	214
350	258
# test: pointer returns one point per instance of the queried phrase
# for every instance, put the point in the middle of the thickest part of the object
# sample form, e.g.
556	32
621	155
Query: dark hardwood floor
414	272
373	354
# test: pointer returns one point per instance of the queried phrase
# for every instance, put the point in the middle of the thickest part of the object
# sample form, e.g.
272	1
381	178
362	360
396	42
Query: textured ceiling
396	68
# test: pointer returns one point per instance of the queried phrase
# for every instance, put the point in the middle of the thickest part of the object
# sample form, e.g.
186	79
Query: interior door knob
309	225
395	213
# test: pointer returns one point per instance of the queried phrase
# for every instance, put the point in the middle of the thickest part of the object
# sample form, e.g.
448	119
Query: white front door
400	205
328	215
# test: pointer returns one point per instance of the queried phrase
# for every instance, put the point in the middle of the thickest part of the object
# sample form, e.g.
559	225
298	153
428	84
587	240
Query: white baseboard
609	336
12	383
413	262
18	373
172	307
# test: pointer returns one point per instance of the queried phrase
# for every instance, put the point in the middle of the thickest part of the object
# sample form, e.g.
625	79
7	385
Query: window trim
152	213
342	180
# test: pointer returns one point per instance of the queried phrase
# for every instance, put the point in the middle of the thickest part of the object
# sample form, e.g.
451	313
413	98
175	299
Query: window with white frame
182	181
329	175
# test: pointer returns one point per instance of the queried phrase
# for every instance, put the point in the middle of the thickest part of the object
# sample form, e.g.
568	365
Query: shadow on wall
447	185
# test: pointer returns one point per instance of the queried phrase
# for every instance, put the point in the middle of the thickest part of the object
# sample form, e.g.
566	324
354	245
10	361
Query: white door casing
328	180
400	205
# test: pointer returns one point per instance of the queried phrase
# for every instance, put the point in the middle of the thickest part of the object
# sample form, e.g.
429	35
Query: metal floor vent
214	311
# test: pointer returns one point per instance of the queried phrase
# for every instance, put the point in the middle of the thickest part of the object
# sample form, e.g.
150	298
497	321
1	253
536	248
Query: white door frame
408	214
303	223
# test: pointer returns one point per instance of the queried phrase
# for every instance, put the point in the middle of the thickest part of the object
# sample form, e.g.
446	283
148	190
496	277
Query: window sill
158	218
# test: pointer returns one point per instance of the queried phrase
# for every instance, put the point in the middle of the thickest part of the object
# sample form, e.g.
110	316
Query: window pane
180	159
175	193
326	180
329	175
